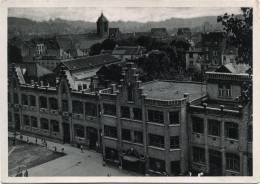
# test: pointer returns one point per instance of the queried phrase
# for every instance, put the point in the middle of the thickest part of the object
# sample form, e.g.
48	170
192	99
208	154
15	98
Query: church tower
102	26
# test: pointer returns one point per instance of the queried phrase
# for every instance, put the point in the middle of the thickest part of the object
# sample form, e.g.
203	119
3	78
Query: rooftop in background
127	50
234	68
90	62
171	90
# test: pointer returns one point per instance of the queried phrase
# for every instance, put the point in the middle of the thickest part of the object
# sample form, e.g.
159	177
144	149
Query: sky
139	14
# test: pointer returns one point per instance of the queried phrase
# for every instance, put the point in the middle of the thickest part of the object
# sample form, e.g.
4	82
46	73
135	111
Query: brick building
157	128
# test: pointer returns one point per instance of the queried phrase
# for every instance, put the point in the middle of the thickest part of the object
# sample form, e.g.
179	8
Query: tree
108	44
109	74
14	54
95	49
239	29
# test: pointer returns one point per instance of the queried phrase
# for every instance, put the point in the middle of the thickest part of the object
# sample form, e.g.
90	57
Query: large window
65	106
26	120
44	123
53	103
198	154
156	140
137	113
155	116
126	134
125	112
32	100
174	117
214	127
157	164
55	126
77	107
16	98
231	130
130	93
110	131
224	90
174	142
232	162
197	125
34	122
79	131
109	109
91	109
43	102
138	136
24	99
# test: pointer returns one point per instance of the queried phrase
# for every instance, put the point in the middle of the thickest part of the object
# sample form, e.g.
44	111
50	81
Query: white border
4	4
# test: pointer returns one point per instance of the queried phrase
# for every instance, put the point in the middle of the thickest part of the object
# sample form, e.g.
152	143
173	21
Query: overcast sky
114	14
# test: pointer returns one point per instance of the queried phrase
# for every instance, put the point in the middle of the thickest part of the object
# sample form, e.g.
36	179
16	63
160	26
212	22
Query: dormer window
130	95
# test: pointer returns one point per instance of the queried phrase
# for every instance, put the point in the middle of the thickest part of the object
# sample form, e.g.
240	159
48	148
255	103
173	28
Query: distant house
114	33
128	52
195	57
185	32
229	55
80	71
159	33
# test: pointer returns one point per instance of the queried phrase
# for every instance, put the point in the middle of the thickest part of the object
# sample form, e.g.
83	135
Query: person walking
27	140
81	148
36	140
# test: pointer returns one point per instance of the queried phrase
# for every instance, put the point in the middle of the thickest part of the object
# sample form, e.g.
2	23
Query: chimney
113	88
41	83
186	95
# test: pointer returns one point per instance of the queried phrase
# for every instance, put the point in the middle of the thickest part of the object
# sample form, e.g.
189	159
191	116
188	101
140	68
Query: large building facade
156	128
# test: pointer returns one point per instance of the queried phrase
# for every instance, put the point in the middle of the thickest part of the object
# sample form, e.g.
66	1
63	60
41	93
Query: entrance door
215	163
92	137
66	133
17	122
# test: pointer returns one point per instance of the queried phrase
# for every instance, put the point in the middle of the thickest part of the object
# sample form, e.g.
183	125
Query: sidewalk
74	163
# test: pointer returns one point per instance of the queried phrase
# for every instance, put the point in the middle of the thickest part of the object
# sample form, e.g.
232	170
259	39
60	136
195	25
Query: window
26	120
155	116
138	137
231	130
79	87
156	140
77	107
16	98
79	131
125	112
213	127
215	52
34	122
191	55
175	168
249	133
224	90
109	109
9	97
91	109
84	86
250	166
137	113
232	162
174	117
10	116
157	164
126	135
43	102
174	142
197	125
65	106
44	123
198	155
130	95
53	103
24	99
110	131
55	126
32	100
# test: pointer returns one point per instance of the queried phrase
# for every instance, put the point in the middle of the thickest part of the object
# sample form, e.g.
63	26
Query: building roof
90	62
102	18
170	90
32	69
234	68
158	32
127	50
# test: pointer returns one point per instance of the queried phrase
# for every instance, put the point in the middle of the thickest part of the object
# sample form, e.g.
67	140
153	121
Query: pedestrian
62	150
36	140
81	148
27	140
21	136
55	149
25	173
46	144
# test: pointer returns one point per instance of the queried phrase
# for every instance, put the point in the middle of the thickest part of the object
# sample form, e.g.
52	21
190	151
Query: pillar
206	144
167	142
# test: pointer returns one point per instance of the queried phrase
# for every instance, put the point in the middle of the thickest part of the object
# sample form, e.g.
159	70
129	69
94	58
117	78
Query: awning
130	158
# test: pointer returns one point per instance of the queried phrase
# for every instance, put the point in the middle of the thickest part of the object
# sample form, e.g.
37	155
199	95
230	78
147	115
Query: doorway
215	163
66	133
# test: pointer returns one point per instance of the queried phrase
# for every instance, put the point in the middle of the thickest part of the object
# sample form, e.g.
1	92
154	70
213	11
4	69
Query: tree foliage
239	29
109	74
